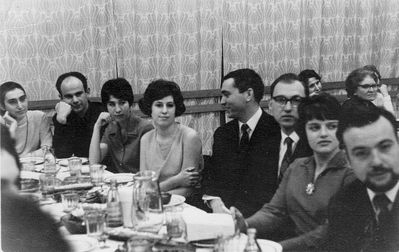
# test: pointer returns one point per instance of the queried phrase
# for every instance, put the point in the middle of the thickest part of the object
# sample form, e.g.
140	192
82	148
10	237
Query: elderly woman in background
383	99
361	87
308	184
30	129
313	80
172	150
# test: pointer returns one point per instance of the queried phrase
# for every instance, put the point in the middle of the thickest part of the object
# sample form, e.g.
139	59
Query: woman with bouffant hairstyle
172	150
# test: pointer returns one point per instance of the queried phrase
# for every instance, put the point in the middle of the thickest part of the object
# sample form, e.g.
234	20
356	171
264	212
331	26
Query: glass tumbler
75	166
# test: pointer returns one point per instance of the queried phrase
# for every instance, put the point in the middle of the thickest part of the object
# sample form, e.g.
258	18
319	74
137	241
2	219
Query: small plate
120	178
64	161
37	160
205	243
175	200
81	243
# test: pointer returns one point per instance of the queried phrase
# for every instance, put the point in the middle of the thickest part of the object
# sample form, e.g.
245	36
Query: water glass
175	225
75	166
96	173
70	200
126	198
138	244
47	184
95	220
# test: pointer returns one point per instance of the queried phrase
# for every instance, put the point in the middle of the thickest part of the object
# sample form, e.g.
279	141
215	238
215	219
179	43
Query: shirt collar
253	121
294	136
391	194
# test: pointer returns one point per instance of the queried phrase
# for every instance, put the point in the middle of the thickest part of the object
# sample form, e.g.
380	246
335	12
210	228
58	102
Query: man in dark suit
364	216
287	91
243	167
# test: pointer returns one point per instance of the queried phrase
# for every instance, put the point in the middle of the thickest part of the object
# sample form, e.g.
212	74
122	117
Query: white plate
64	161
120	177
37	160
81	243
175	200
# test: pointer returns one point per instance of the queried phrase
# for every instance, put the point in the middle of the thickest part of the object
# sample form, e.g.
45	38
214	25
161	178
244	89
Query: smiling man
121	139
243	167
75	116
364	216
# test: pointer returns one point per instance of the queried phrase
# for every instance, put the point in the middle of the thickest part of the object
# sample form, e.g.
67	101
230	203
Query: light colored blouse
166	161
32	133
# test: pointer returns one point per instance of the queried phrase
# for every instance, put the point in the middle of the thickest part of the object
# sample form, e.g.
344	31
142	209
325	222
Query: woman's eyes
168	105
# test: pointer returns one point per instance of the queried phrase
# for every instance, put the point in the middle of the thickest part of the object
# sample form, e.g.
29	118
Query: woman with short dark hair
172	150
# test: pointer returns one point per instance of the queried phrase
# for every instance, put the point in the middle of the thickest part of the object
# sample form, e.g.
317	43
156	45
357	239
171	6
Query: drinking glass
95	220
175	225
47	184
97	173
75	166
69	200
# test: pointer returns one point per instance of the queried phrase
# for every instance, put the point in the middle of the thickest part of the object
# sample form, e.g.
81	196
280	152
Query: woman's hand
103	119
11	123
188	177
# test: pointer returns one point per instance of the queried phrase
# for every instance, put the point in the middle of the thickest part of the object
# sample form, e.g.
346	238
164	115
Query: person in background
24	227
383	98
244	164
364	215
75	116
313	80
172	150
121	139
287	92
30	129
308	184
361	87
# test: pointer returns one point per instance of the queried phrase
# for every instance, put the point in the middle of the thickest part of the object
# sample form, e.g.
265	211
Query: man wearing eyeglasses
287	91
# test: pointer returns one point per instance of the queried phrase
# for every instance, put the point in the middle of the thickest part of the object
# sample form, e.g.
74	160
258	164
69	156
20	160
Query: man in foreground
364	216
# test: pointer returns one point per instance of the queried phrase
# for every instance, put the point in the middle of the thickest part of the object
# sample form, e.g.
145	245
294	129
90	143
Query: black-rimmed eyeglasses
282	100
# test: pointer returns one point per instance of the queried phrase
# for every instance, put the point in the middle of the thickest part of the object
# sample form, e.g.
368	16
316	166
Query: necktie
381	202
287	157
244	142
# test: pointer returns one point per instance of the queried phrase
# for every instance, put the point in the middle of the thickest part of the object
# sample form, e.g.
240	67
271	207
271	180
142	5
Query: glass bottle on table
252	245
50	164
114	206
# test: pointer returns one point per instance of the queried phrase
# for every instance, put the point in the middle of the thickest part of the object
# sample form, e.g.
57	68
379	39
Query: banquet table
199	223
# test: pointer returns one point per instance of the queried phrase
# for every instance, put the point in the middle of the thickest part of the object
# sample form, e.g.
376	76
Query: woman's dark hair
320	107
306	74
118	88
355	77
6	87
159	89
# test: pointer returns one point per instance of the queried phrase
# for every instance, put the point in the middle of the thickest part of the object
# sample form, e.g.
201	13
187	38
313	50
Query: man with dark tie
364	216
243	167
287	91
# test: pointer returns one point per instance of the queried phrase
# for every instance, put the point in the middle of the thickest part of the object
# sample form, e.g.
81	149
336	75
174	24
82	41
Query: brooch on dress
309	189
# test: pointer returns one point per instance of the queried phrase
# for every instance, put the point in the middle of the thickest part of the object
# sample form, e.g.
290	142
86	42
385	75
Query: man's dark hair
7	87
355	77
360	116
289	78
118	88
159	89
247	78
305	75
320	107
77	75
373	69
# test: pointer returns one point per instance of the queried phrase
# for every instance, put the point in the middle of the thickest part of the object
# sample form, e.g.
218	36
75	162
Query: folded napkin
202	226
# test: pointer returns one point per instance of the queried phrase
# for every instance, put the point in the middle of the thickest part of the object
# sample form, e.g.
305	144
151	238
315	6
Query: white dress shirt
391	194
252	122
283	146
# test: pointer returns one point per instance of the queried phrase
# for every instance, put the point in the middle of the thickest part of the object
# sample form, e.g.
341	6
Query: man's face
16	103
74	94
286	115
373	152
233	101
